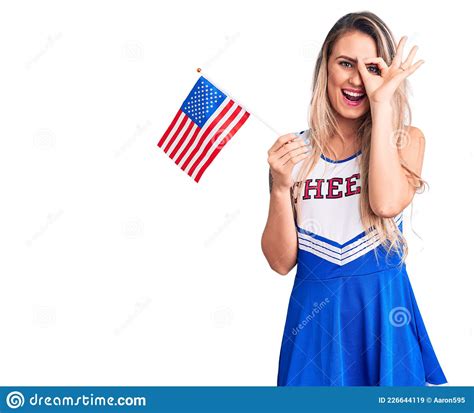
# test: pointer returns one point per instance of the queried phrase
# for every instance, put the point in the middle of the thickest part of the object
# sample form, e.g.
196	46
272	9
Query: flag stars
203	101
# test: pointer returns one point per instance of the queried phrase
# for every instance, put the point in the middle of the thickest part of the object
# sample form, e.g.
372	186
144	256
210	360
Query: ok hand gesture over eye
381	86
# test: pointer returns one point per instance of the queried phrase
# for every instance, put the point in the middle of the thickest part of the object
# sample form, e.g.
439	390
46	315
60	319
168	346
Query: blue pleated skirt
359	330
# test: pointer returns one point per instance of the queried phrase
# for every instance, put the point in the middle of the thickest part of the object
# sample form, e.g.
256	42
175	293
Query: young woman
338	191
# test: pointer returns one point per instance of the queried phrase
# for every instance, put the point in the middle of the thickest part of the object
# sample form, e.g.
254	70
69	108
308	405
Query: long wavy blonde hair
323	125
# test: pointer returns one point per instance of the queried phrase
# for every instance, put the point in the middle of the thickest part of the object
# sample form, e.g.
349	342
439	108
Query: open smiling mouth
353	99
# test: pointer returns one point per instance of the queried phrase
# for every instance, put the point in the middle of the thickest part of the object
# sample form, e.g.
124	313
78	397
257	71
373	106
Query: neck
348	128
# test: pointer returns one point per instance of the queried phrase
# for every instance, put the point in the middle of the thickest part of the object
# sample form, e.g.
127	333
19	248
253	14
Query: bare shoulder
417	134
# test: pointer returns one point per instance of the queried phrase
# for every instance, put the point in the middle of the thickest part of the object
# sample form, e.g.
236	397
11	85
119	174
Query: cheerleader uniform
352	316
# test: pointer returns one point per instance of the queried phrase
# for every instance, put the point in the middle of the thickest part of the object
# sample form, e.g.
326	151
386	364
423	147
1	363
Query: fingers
415	66
279	158
397	60
290	146
381	64
282	140
408	61
362	68
298	158
282	160
295	156
410	70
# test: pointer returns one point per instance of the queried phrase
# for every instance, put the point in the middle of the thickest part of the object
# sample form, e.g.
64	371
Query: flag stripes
193	148
202	126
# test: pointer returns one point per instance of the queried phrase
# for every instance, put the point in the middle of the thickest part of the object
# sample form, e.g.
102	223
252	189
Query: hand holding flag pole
205	122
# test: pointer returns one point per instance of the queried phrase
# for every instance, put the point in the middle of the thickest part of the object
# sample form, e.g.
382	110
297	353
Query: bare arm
390	186
279	239
390	189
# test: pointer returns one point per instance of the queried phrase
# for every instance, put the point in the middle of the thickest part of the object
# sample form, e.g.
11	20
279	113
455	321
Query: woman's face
344	75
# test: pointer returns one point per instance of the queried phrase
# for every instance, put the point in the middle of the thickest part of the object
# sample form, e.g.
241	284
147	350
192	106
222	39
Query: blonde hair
323	125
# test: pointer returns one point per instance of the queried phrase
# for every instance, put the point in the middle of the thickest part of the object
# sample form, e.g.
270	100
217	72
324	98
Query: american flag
204	123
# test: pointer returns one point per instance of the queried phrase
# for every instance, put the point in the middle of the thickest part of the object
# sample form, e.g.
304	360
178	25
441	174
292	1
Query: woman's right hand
282	157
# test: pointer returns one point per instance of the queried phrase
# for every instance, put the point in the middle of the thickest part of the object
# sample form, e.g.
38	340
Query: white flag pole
252	113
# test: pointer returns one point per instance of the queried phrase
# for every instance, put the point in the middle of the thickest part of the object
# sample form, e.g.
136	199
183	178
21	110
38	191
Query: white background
116	267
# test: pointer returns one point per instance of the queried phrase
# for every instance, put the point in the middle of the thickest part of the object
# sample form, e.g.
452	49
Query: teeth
352	93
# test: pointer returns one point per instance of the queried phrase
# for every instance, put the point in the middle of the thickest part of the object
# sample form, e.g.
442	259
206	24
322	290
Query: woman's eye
375	70
372	68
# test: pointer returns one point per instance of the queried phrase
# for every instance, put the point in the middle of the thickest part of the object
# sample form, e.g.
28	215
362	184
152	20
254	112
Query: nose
356	79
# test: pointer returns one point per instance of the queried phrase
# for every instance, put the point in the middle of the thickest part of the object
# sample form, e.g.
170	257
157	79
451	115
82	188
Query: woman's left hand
381	87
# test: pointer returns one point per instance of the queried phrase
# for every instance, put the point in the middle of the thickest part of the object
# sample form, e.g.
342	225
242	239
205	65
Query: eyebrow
347	57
